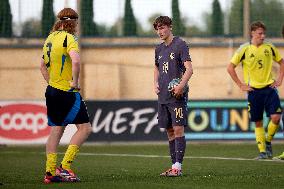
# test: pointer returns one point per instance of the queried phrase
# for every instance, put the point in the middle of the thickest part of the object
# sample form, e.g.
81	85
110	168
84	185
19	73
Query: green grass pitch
206	165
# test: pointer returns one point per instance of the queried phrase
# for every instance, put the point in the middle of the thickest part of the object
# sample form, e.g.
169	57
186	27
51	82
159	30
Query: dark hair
68	19
162	21
255	25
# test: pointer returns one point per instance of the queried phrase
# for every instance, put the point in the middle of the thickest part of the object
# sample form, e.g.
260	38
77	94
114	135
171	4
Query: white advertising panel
25	122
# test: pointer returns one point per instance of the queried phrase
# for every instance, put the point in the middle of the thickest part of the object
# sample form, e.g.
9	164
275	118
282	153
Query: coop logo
23	122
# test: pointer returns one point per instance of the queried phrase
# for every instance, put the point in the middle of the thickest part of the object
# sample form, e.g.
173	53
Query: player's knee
276	118
171	134
85	128
57	130
89	129
179	131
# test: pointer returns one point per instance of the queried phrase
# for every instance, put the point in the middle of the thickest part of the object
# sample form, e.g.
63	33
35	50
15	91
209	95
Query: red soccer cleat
48	178
175	173
165	174
68	175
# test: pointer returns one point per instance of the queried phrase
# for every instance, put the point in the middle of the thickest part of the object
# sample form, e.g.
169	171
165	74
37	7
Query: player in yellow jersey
281	156
257	58
60	67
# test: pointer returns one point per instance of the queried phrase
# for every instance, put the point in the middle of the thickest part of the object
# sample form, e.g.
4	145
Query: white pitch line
186	157
149	156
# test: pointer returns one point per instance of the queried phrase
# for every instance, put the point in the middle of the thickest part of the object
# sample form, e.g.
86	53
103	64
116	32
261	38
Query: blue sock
172	146
180	148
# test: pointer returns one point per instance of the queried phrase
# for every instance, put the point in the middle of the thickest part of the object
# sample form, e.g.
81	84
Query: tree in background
115	29
5	19
194	30
48	18
263	10
31	28
102	30
151	31
129	21
236	18
178	26
267	11
217	27
88	26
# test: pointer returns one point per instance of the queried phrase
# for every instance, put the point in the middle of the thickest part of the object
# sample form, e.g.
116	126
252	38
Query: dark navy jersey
170	63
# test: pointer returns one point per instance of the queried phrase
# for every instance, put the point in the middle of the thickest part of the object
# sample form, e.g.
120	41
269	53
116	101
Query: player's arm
178	90
187	74
156	77
75	57
44	71
279	80
231	70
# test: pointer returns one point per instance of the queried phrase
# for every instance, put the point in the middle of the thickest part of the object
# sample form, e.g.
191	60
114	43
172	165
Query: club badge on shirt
172	56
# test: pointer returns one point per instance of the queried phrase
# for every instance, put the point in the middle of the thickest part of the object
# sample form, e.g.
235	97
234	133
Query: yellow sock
69	156
260	138
51	159
271	130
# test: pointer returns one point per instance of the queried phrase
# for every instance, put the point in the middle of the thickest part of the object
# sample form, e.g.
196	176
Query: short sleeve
275	53
184	52
239	55
156	58
45	52
72	43
236	59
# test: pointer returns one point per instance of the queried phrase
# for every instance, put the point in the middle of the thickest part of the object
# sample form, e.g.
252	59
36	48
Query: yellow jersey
257	63
57	60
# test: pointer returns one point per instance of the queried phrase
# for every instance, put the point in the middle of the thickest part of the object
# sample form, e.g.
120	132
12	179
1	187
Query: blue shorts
65	108
173	114
260	100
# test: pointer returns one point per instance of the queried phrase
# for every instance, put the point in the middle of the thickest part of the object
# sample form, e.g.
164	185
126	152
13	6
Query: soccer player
60	67
172	60
281	156
257	57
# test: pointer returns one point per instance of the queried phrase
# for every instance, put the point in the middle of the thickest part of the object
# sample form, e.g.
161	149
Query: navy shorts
173	114
260	100
65	108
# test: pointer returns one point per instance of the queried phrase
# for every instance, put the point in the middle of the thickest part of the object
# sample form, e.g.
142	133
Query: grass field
214	165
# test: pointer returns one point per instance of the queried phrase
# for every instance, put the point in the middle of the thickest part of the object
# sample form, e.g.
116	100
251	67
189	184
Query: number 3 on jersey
48	52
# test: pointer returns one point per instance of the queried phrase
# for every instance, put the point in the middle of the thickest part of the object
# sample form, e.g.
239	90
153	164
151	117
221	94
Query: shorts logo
23	122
